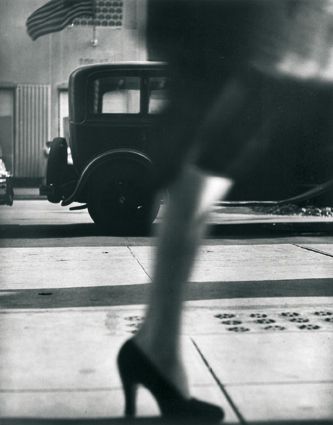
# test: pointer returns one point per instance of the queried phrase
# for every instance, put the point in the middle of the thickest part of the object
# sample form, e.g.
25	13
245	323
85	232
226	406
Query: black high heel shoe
135	369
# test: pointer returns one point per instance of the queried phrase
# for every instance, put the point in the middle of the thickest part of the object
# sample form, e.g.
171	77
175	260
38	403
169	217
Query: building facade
34	74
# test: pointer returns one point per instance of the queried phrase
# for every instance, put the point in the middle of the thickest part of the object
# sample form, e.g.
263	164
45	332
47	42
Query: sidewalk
258	332
235	219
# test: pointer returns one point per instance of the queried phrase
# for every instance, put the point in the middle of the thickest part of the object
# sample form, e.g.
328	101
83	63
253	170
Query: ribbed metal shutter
32	128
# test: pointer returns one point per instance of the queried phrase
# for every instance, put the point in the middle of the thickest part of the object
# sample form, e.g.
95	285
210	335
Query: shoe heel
130	390
136	369
129	385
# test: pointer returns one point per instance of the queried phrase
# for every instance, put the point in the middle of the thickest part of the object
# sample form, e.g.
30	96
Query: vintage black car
112	111
112	108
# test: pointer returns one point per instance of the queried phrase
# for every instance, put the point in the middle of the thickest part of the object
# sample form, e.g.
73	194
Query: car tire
56	169
121	198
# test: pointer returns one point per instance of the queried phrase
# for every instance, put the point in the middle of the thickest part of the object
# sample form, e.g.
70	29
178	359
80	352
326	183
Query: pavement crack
138	261
219	383
316	251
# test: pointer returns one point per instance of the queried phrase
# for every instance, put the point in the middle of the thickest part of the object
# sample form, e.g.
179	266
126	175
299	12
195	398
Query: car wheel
121	198
56	169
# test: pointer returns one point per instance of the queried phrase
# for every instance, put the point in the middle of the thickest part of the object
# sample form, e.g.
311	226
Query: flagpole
94	41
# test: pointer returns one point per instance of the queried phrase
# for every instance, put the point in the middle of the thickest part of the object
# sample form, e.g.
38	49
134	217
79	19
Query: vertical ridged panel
32	129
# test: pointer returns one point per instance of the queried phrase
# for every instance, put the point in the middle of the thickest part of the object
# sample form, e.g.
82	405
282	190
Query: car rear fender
100	161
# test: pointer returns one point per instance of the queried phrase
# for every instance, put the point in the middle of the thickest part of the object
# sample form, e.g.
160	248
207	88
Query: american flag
55	15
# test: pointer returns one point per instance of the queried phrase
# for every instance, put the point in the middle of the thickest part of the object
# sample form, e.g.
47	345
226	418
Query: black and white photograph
166	212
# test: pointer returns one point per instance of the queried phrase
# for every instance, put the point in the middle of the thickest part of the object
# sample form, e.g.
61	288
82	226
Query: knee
194	193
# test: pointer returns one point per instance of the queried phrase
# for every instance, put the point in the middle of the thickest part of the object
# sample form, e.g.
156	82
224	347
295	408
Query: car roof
134	65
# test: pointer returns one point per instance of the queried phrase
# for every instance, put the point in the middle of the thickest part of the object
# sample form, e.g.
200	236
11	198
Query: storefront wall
38	72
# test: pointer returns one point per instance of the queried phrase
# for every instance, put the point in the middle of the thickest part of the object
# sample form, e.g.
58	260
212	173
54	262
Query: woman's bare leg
191	197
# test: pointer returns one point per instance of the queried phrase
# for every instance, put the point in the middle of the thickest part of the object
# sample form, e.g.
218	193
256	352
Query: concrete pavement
257	335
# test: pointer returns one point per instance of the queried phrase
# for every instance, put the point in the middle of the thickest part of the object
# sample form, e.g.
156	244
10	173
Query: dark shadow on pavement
106	296
271	229
13	231
264	229
144	421
93	421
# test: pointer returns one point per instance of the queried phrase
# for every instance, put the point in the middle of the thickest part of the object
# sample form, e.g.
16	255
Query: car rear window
158	95
116	95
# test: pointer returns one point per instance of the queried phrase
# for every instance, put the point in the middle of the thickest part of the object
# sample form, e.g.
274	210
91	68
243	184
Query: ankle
168	363
160	353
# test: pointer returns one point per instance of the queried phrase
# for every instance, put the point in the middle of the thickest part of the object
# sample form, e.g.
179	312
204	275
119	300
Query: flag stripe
54	26
56	15
53	5
50	7
57	12
60	16
58	9
51	28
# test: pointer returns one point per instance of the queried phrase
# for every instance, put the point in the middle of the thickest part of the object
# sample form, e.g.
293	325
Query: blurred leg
184	223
